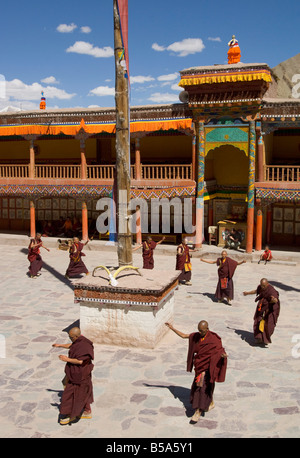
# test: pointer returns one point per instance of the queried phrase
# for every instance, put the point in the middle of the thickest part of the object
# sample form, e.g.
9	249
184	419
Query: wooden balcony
57	171
14	171
148	172
282	173
167	172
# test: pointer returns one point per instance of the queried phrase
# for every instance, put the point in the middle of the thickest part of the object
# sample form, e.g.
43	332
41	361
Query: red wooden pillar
32	219
32	159
194	158
137	159
83	159
84	215
258	238
82	136
32	175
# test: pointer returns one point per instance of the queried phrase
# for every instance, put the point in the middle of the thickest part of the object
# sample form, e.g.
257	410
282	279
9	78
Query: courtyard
141	393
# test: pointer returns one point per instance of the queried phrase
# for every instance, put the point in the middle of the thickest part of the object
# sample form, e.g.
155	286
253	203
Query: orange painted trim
110	128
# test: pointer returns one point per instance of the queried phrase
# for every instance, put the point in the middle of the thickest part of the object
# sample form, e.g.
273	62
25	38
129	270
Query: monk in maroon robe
78	392
34	256
266	313
148	250
76	264
207	355
183	262
226	269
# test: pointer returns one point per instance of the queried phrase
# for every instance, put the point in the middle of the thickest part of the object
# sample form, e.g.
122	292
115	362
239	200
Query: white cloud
102	91
17	90
83	47
169	77
85	29
7	105
175	87
50	80
182	48
163	98
214	39
158	48
141	79
65	28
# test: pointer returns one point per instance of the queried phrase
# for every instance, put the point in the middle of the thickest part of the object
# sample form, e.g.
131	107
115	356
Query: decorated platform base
131	313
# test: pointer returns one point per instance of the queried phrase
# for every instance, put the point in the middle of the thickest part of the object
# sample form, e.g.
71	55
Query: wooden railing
96	172
14	171
100	172
57	171
167	172
282	173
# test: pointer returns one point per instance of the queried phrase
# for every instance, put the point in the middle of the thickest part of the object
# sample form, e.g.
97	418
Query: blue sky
65	48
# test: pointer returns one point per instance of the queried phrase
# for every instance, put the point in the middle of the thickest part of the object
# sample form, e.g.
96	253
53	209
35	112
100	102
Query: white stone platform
133	313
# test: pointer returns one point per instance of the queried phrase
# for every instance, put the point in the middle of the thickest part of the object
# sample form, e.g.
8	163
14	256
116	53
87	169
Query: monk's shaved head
203	327
74	333
264	283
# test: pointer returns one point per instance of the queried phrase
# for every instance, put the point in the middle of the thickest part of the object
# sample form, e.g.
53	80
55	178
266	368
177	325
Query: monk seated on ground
48	229
233	240
266	256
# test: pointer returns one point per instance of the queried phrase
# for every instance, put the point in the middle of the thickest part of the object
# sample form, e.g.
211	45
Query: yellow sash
261	325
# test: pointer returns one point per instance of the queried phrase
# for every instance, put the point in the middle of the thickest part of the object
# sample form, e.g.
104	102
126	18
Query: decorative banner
123	13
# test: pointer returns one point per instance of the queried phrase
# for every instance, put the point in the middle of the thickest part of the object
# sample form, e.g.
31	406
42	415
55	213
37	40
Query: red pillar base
32	219
258	238
250	228
84	213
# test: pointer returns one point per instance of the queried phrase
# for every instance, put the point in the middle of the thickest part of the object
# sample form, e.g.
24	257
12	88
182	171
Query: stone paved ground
145	393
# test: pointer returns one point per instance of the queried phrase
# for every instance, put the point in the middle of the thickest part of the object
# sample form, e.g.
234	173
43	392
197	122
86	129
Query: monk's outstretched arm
67	346
164	238
242	262
66	359
246	293
137	247
179	333
208	261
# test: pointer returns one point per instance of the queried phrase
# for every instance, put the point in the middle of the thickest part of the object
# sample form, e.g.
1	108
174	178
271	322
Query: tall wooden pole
122	147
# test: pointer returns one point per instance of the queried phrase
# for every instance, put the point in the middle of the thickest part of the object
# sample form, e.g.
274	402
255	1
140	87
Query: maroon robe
205	354
183	263
34	257
267	311
148	259
78	393
76	265
226	270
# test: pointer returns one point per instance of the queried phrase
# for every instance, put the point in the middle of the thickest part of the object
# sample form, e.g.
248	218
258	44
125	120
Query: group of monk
76	265
205	350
